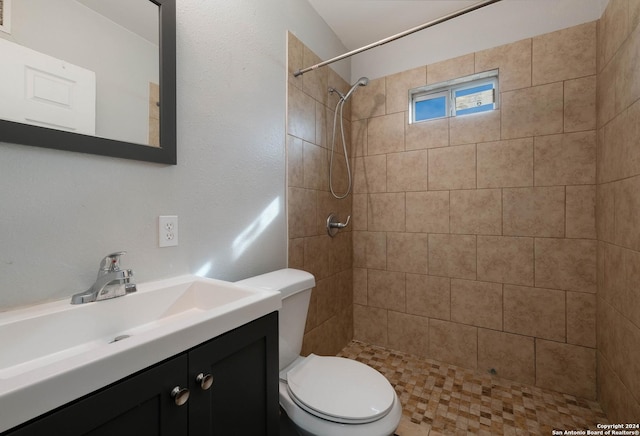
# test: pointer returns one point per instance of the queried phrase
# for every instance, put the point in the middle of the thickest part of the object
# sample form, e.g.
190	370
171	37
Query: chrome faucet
112	281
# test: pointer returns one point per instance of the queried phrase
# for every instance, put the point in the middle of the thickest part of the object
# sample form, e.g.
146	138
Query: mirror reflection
83	66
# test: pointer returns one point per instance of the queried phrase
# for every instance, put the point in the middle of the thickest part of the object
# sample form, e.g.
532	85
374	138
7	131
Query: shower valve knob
333	225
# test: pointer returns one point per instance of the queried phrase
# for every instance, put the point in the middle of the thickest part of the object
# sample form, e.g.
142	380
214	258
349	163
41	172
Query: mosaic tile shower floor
442	399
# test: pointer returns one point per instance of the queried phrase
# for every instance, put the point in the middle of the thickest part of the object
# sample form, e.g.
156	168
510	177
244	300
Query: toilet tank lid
287	281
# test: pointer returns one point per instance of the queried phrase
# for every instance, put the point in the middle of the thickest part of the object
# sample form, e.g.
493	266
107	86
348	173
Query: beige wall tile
452	167
340	252
316	256
427	134
294	56
398	86
359	211
450	69
476	303
634	15
429	296
614	27
407	171
566	368
296	253
315	161
386	289
581	211
581	319
482	127
568	264
452	255
407	252
324	128
513	60
302	212
533	211
295	168
534	312
385	134
326	295
533	111
614	274
564	54
629	298
477	211
505	163
628	80
567	159
315	83
360	286
301	115
631	136
386	212
580	104
606	93
619	156
511	356
358	138
627	210
614	397
370	324
427	212
619	343
370	250
505	259
369	101
408	333
370	174
605	212
453	343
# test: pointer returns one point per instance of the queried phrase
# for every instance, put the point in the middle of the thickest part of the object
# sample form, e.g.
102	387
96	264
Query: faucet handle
111	262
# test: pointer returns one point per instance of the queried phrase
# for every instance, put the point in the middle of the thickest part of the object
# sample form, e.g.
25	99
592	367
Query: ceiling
351	20
140	16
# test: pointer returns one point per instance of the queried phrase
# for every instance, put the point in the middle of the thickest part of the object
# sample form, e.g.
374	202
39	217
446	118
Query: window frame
448	89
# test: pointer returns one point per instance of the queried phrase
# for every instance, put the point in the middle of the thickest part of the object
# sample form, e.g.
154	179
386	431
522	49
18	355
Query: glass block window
467	95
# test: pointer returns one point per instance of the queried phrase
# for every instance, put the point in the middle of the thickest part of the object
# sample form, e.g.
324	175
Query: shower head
362	81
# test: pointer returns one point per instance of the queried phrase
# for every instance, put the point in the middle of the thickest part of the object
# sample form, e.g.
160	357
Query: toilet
324	395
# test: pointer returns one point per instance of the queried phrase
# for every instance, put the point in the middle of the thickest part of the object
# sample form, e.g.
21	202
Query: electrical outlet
168	231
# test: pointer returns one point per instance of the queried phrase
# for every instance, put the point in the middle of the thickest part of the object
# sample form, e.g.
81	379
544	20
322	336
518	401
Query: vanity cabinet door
243	399
138	405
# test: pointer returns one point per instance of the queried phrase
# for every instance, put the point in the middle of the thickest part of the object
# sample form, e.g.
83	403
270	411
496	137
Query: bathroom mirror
82	86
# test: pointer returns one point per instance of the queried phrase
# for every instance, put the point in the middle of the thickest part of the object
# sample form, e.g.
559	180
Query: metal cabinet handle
180	395
205	381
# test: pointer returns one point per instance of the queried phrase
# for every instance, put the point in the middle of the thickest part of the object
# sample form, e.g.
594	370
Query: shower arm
398	36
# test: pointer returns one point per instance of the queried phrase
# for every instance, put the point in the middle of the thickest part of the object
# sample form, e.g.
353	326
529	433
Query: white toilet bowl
324	395
333	396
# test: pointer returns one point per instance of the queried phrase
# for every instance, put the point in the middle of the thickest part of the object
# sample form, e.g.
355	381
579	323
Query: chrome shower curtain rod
398	35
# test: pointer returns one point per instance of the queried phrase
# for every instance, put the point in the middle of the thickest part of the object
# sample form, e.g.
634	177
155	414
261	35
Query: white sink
56	352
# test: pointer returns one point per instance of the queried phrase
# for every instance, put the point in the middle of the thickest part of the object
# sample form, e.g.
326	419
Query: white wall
492	26
60	212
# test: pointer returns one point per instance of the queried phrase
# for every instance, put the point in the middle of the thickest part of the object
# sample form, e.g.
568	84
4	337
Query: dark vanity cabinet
232	382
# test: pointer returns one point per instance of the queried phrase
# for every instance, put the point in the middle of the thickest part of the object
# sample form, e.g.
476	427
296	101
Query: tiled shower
505	242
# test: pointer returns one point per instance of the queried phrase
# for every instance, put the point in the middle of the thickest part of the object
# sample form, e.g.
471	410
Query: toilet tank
295	287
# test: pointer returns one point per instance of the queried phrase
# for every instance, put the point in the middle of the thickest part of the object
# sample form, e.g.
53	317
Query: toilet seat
340	390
